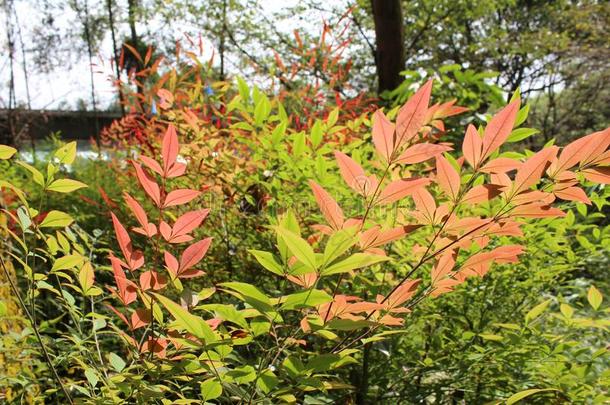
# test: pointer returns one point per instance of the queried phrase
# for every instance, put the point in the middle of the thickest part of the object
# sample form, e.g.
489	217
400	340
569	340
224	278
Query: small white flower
181	159
268	173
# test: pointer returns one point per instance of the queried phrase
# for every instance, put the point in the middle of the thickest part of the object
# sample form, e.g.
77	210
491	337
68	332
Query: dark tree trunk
389	41
131	17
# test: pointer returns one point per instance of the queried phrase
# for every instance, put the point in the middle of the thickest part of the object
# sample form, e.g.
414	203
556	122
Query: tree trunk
131	17
389	41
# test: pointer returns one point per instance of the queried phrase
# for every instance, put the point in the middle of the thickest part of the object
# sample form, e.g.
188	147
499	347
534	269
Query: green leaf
65	185
67	262
36	175
56	219
116	362
91	377
522	115
210	389
594	297
520	134
227	312
6	152
338	244
536	311
309	298
187	321
298	247
267	381
251	295
523	394
316	133
67	153
287	221
492	337
355	261
3	308
267	260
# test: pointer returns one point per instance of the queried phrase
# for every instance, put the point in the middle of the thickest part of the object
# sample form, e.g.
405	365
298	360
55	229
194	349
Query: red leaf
169	148
152	164
383	135
188	222
472	147
181	196
531	196
484	192
134	259
599	175
140	318
501	165
176	170
126	288
573	194
352	173
424	202
193	254
399	189
447	177
171	263
151	279
329	207
148	184
412	116
147	228
421	152
499	128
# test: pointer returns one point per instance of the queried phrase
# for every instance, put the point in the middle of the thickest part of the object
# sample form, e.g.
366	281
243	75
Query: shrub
414	223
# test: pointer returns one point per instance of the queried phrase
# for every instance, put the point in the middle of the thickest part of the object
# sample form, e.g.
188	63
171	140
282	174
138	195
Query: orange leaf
147	228
501	165
472	147
412	115
499	128
402	293
573	194
188	222
133	258
181	196
484	192
383	135
169	148
140	318
152	164
443	266
536	210
329	207
421	152
171	263
193	254
352	173
152	280
399	189
599	175
532	169
126	288
447	177
148	184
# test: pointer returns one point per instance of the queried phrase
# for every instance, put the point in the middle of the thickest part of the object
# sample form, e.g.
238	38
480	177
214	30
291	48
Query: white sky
63	87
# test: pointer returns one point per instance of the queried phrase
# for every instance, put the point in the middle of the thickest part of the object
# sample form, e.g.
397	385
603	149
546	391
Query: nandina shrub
412	231
268	344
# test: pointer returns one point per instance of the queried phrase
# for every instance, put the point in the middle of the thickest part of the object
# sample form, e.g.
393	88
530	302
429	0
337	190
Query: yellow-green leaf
86	277
65	185
524	394
298	247
210	389
355	261
185	320
594	297
67	262
267	260
6	152
536	311
67	153
36	175
56	219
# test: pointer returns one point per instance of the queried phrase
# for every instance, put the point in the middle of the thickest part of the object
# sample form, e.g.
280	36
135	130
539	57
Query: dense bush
237	249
